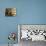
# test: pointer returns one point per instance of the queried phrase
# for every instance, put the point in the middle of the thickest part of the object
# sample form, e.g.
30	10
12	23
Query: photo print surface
10	12
33	32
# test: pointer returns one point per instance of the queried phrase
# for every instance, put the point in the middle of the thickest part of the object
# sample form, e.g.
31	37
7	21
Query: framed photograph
32	32
10	12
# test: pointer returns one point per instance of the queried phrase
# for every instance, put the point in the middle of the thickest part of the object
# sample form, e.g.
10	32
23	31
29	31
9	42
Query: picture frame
10	12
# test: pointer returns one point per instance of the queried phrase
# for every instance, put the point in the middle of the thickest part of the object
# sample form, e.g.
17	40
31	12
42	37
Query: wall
28	12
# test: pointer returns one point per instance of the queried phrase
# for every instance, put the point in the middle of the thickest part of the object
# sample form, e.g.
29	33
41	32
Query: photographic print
31	33
10	12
